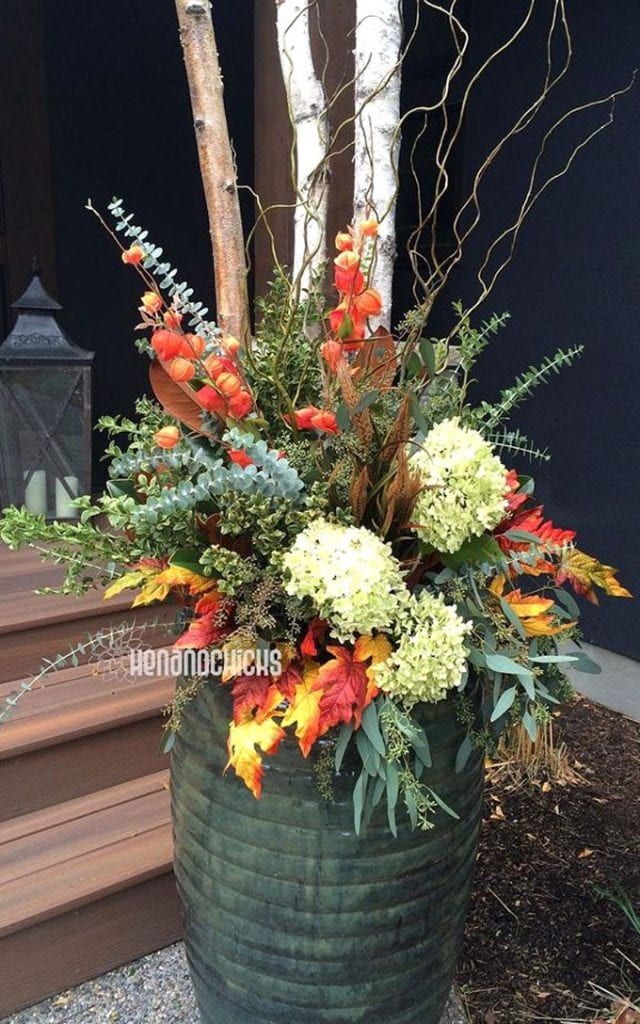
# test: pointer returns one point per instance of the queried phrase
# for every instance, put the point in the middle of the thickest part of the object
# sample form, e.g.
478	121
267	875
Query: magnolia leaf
175	397
377	360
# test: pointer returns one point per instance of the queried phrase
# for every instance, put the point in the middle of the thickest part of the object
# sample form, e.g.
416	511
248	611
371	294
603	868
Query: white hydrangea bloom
349	573
465	488
431	655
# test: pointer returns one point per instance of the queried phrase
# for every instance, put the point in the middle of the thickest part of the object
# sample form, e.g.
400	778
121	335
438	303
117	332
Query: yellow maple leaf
304	708
585	572
151	591
531	609
239	654
129	581
156	583
246	740
177	576
377	648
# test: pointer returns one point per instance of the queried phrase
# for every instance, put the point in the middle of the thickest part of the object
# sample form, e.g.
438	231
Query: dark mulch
538	933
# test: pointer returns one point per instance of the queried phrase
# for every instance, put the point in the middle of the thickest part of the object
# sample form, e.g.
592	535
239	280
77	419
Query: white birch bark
377	139
309	118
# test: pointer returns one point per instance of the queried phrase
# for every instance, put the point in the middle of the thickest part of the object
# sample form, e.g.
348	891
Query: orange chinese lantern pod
347	273
240	405
303	416
193	346
239	458
369	303
215	365
228	384
344	241
325	422
231	345
151	302
172	319
211	400
166	344
181	370
167	437
348	325
133	255
369	227
332	354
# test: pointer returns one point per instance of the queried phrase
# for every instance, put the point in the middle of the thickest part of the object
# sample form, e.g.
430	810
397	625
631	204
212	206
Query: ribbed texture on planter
293	919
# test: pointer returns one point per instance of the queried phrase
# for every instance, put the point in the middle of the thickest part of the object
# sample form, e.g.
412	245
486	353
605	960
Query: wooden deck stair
85	835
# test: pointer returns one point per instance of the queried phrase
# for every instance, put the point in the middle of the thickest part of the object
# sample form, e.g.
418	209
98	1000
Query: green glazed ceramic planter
291	918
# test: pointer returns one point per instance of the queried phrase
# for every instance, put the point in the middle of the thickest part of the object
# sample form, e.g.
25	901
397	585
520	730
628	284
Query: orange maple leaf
246	740
304	708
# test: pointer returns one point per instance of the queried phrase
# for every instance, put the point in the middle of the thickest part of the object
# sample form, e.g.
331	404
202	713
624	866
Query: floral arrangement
329	491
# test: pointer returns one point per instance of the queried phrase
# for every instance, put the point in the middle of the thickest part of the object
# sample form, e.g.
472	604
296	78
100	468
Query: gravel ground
154	990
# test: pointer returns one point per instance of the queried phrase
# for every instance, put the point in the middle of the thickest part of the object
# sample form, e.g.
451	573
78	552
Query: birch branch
377	139
217	165
309	119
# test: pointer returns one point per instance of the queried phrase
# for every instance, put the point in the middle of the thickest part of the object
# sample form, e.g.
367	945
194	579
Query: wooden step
87	885
35	626
78	732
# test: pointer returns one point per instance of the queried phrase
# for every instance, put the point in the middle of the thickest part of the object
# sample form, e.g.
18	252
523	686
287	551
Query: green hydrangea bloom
349	574
431	655
464	492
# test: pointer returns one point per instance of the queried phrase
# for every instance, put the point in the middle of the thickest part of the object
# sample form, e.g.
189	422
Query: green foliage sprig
489	416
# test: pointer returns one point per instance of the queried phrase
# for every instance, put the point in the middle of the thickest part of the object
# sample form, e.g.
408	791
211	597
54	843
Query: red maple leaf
315	632
344	681
515	497
210	624
289	679
254	693
531	520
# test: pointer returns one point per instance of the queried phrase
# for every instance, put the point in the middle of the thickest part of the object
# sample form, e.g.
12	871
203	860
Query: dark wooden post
273	181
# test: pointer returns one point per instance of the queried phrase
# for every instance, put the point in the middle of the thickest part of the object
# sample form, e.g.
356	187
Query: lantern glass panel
44	414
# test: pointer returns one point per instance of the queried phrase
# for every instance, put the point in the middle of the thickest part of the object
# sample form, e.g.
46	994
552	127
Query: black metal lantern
45	411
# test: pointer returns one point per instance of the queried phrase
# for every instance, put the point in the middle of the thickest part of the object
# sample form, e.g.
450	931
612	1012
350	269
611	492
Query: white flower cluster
464	486
431	655
349	573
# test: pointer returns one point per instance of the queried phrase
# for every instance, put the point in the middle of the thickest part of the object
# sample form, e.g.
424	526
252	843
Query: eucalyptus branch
103	640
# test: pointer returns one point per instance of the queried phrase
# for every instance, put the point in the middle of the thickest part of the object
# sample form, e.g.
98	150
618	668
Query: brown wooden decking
85	835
